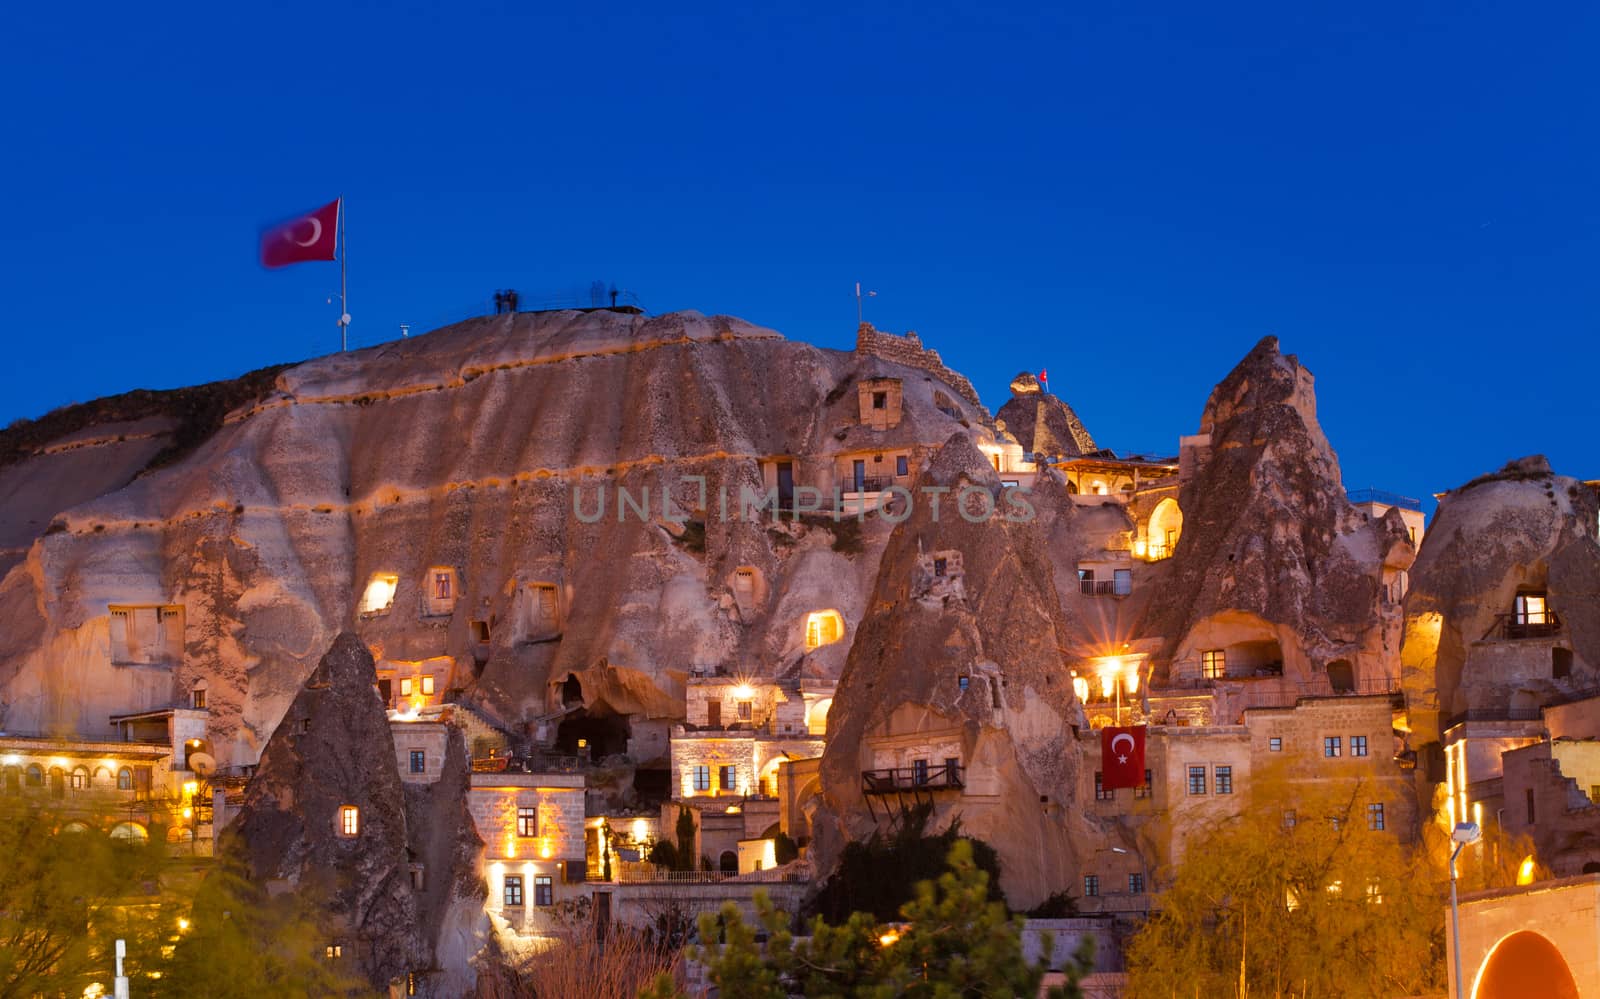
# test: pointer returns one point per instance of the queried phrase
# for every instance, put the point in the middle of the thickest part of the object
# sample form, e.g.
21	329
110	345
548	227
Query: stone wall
1565	914
494	801
908	350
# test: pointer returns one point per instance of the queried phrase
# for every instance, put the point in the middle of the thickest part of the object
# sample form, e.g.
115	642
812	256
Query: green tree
879	876
1319	904
953	941
685	836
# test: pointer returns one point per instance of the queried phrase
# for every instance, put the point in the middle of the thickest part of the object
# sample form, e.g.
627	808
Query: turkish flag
1121	757
312	236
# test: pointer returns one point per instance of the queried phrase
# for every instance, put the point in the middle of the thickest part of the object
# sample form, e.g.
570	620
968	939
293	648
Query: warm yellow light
188	813
59	762
733	810
887	938
11	760
1108	683
544	849
511	845
94	990
1525	872
183	924
1139	548
191	788
1080	686
641	829
1130	680
743	692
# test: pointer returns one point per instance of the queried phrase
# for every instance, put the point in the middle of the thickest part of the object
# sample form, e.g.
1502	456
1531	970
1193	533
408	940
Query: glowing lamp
1130	681
188	813
641	829
544	849
1108	683
1139	548
743	692
191	788
1080	686
1525	871
888	938
183	924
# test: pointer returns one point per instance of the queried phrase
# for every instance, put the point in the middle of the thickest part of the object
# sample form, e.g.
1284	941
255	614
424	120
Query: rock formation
1042	423
959	658
1273	560
1520	531
332	752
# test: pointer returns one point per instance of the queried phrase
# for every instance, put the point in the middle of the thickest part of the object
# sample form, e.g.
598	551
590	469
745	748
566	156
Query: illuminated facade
739	731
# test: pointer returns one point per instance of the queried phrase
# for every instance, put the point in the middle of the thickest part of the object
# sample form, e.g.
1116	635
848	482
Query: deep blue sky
1128	194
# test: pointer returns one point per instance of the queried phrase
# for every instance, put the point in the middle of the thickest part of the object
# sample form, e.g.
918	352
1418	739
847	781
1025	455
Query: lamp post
1464	834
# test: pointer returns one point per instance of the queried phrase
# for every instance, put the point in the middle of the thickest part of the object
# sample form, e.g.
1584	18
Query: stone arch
817	716
1524	965
130	832
823	627
728	863
1166	524
767	779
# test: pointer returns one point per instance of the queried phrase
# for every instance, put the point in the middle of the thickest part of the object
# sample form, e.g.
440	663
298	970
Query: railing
869	484
1158	550
1526	625
943	777
661	877
537	763
1104	588
1360	496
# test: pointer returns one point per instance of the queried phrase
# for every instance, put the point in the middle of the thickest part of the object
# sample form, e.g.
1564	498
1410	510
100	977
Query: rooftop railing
1360	496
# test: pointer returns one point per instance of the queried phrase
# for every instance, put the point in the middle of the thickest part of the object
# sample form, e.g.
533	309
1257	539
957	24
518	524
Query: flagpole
344	304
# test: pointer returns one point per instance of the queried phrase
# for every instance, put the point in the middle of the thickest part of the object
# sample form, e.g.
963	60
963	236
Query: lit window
1358	745
405	687
543	890
1213	664
80	779
1275	744
727	777
1100	793
702	778
379	595
527	821
1331	746
419	761
349	820
197	696
124	779
1197	780
1224	780
443	585
1375	816
823	628
1091	885
1143	790
427	685
1530	608
333	950
1136	884
513	890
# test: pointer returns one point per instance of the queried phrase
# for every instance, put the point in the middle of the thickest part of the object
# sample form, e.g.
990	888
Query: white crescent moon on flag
1118	738
316	232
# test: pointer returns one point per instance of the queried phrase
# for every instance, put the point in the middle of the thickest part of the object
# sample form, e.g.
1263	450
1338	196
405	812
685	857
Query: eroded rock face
334	751
1043	423
958	657
1522	530
485	448
1273	560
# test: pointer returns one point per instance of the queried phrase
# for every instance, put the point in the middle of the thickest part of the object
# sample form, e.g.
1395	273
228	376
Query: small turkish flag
312	236
1121	757
1044	376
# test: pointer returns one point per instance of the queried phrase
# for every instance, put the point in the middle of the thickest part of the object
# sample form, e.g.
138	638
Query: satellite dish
203	764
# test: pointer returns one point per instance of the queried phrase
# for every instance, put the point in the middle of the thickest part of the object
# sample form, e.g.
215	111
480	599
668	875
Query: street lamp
1464	834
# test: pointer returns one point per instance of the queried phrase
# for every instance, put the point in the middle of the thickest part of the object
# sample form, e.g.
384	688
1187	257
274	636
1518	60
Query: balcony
867	484
894	780
1105	587
1361	497
1512	626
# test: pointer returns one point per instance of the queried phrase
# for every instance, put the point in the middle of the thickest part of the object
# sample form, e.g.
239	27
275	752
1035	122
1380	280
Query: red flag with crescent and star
312	236
1121	756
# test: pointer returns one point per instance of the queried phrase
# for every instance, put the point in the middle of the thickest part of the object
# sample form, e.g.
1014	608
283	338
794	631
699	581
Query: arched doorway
728	863
1166	524
1525	965
1342	676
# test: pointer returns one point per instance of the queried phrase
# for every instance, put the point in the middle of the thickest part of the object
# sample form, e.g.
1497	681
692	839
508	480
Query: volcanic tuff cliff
463	448
1521	530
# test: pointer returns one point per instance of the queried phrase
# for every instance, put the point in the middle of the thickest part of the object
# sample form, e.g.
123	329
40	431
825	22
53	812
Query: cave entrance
571	692
1342	676
652	786
593	733
1258	658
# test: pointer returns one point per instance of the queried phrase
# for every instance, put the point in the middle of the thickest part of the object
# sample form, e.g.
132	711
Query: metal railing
1515	625
868	484
629	875
1104	588
1155	551
945	776
1360	496
534	763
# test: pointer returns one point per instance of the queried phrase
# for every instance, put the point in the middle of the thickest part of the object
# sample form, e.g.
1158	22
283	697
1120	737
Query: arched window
75	827
13	780
125	779
130	832
823	628
80	778
728	863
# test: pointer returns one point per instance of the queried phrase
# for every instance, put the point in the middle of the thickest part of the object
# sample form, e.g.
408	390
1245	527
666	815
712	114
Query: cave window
744	582
1528	798
349	821
418	877
197	696
124	779
405	686
1213	664
442	590
1091	885
379	594
1530	609
994	692
901	465
963	681
823	628
333	951
880	400
1560	663
419	761
571	691
939	566
480	632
